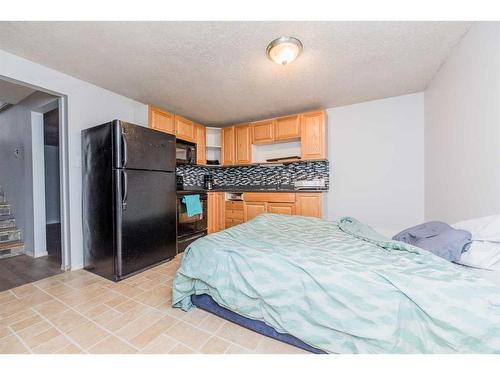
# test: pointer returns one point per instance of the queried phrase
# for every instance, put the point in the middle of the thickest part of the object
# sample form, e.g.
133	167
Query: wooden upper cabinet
243	144
287	128
184	129
308	204
263	132
228	145
161	120
313	135
201	144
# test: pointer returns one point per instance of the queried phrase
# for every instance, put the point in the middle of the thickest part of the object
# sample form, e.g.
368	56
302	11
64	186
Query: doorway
32	191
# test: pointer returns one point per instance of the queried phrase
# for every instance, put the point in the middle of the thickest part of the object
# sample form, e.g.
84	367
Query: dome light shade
284	50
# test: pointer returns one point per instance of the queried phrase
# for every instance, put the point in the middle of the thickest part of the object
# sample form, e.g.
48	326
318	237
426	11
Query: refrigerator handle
125	150
125	190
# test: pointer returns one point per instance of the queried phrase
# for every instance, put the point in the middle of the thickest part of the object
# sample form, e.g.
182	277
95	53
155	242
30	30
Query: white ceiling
217	72
12	93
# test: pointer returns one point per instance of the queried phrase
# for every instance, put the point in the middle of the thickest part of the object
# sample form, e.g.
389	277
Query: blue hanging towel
193	204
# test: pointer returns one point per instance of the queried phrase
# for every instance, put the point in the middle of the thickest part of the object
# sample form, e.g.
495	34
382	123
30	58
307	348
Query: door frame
63	169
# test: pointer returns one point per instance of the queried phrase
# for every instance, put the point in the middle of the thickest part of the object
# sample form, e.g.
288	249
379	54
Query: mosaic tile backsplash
256	175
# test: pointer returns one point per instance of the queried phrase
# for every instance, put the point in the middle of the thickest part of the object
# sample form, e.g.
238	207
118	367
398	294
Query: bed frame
206	302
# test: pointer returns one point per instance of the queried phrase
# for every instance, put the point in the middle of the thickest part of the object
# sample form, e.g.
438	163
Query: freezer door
137	147
145	219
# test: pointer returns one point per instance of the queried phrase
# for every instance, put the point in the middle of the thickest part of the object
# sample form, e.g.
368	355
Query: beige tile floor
79	312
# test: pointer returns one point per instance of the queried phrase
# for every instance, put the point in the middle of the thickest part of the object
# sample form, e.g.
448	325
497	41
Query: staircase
10	237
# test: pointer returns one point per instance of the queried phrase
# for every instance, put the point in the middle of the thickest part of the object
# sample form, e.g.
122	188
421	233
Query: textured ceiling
217	73
12	93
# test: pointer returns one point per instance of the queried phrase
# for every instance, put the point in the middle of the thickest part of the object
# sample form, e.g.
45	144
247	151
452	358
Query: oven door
187	225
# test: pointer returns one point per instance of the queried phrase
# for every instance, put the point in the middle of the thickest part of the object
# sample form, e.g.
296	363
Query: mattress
205	302
341	287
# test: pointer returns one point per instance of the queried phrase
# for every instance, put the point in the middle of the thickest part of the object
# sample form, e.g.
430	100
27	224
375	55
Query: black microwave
185	152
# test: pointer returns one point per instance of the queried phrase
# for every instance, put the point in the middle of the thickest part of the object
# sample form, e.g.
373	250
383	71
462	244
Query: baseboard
75	267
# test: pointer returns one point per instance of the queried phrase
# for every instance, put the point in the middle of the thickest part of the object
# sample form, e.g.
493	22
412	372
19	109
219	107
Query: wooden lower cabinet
308	204
224	214
281	208
234	213
304	204
269	197
216	220
252	209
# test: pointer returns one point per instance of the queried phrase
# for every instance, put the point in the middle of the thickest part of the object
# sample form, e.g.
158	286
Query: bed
339	287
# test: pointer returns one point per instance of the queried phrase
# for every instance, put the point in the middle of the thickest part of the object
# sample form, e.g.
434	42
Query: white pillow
482	229
481	254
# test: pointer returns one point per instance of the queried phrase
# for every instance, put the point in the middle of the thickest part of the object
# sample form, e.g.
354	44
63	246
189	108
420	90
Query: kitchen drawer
234	205
269	197
234	214
232	222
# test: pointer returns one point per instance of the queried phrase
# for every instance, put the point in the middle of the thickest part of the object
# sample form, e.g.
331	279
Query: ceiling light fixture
284	50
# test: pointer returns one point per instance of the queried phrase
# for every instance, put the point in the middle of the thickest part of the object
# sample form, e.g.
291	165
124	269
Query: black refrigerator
129	199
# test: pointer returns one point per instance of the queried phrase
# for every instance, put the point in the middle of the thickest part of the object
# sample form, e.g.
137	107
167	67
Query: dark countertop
248	189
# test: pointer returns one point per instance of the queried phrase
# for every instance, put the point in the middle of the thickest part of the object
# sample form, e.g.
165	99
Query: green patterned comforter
342	287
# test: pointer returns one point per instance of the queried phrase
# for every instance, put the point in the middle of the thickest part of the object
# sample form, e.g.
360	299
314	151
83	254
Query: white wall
88	105
377	162
37	182
462	130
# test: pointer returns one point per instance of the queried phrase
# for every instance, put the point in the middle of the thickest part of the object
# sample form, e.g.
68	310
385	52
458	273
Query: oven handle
193	237
200	217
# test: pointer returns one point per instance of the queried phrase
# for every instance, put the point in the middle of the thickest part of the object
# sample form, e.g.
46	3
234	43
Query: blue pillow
437	237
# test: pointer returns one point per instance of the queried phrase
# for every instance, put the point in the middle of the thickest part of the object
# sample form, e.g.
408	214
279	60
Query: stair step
7	222
8	228
10	235
5	209
11	249
12	244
